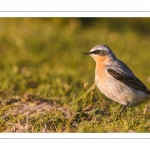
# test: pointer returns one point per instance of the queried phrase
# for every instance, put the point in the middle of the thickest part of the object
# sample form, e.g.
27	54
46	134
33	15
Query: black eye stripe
100	52
96	52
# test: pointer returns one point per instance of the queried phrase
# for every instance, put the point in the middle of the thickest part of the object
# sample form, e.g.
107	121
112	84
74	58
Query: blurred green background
39	50
43	56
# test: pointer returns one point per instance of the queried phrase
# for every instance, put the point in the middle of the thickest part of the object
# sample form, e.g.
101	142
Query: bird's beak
87	53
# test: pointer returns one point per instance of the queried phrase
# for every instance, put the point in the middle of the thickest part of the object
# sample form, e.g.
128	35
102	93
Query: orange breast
100	71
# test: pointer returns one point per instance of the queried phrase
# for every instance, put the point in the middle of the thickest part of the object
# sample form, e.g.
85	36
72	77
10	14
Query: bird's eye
96	52
100	52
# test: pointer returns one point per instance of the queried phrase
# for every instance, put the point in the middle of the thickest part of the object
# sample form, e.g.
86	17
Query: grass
47	84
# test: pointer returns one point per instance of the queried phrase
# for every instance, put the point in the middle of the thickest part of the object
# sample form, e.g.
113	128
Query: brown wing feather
130	81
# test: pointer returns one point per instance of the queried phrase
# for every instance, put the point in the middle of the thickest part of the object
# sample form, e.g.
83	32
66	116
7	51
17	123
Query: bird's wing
128	80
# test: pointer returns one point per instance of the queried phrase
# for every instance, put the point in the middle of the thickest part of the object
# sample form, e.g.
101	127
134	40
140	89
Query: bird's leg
123	108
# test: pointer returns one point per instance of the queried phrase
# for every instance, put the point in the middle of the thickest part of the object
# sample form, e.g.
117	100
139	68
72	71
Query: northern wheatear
115	79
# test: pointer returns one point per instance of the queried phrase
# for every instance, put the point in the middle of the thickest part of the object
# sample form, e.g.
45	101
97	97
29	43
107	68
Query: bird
115	79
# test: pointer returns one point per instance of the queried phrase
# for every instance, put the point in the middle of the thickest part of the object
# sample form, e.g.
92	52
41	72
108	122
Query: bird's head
100	52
